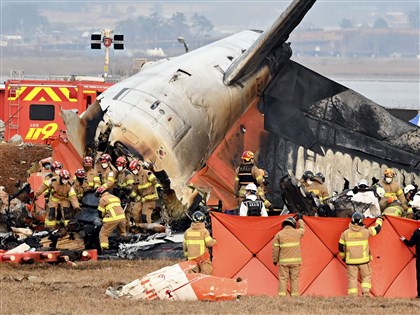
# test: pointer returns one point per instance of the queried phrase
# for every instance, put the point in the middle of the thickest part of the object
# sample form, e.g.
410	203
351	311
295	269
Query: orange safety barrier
244	250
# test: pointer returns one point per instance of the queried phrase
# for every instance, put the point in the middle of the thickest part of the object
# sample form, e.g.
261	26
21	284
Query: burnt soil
16	159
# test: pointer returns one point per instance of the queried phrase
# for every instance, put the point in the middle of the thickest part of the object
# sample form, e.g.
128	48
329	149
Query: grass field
80	289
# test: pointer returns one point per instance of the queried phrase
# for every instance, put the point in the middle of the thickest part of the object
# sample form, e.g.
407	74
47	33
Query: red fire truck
31	107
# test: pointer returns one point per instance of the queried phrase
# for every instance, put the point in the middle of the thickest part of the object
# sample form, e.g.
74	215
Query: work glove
299	216
402	238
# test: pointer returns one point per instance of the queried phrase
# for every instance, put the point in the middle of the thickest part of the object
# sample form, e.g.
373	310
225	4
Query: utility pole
106	38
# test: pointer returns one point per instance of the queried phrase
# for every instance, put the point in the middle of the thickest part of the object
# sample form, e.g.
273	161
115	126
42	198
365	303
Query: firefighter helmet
308	175
105	158
64	174
409	188
80	173
198	216
363	183
391	199
247	156
289	221
251	187
357	218
320	176
56	166
87	160
389	172
121	161
380	191
133	165
100	191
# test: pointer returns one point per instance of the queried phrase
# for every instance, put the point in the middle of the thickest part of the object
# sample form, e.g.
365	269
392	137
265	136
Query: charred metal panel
317	124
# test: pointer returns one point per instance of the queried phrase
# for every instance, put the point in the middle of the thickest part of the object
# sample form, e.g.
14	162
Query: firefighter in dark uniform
252	206
248	173
415	240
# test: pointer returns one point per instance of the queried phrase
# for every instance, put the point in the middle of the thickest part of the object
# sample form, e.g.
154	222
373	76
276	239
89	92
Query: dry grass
62	289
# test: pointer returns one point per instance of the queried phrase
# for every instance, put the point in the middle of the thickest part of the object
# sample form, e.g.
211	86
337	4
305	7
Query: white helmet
408	188
251	187
363	182
380	191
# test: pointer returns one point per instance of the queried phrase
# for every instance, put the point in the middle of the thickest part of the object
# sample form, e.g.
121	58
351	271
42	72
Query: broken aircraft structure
193	115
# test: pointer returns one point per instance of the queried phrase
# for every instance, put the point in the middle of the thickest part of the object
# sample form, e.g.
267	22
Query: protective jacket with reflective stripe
111	209
354	244
196	241
286	245
93	179
394	189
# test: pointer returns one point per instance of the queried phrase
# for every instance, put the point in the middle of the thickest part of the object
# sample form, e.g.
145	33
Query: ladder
12	124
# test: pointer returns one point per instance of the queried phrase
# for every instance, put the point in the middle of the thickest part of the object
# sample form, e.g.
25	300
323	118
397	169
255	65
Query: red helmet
88	160
247	156
133	165
56	166
80	173
100	191
121	161
64	174
105	158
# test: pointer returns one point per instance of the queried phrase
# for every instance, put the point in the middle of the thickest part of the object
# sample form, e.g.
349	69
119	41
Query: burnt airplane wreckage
186	114
193	115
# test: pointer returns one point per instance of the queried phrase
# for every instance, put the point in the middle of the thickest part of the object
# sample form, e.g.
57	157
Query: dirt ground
15	160
63	289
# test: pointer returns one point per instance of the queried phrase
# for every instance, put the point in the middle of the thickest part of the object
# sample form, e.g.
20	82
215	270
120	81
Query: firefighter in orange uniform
144	192
112	216
106	172
92	177
60	197
197	240
392	189
80	183
286	253
354	250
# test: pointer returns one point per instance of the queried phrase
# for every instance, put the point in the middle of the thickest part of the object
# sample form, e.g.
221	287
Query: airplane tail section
269	41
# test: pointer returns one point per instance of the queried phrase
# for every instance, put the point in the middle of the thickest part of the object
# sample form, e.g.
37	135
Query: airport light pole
107	40
182	41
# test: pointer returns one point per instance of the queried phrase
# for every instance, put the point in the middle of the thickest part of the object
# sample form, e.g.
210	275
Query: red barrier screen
244	250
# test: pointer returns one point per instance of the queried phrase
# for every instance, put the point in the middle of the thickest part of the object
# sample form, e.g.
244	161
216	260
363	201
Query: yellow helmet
389	172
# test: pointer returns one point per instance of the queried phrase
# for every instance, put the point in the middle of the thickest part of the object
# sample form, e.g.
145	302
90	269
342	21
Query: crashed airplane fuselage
176	111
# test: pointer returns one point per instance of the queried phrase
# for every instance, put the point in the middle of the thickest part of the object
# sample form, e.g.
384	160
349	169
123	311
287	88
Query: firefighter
392	188
106	172
248	173
61	196
197	240
252	206
394	207
415	240
366	196
286	253
354	250
317	188
80	184
307	179
124	180
112	216
92	176
54	170
144	193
